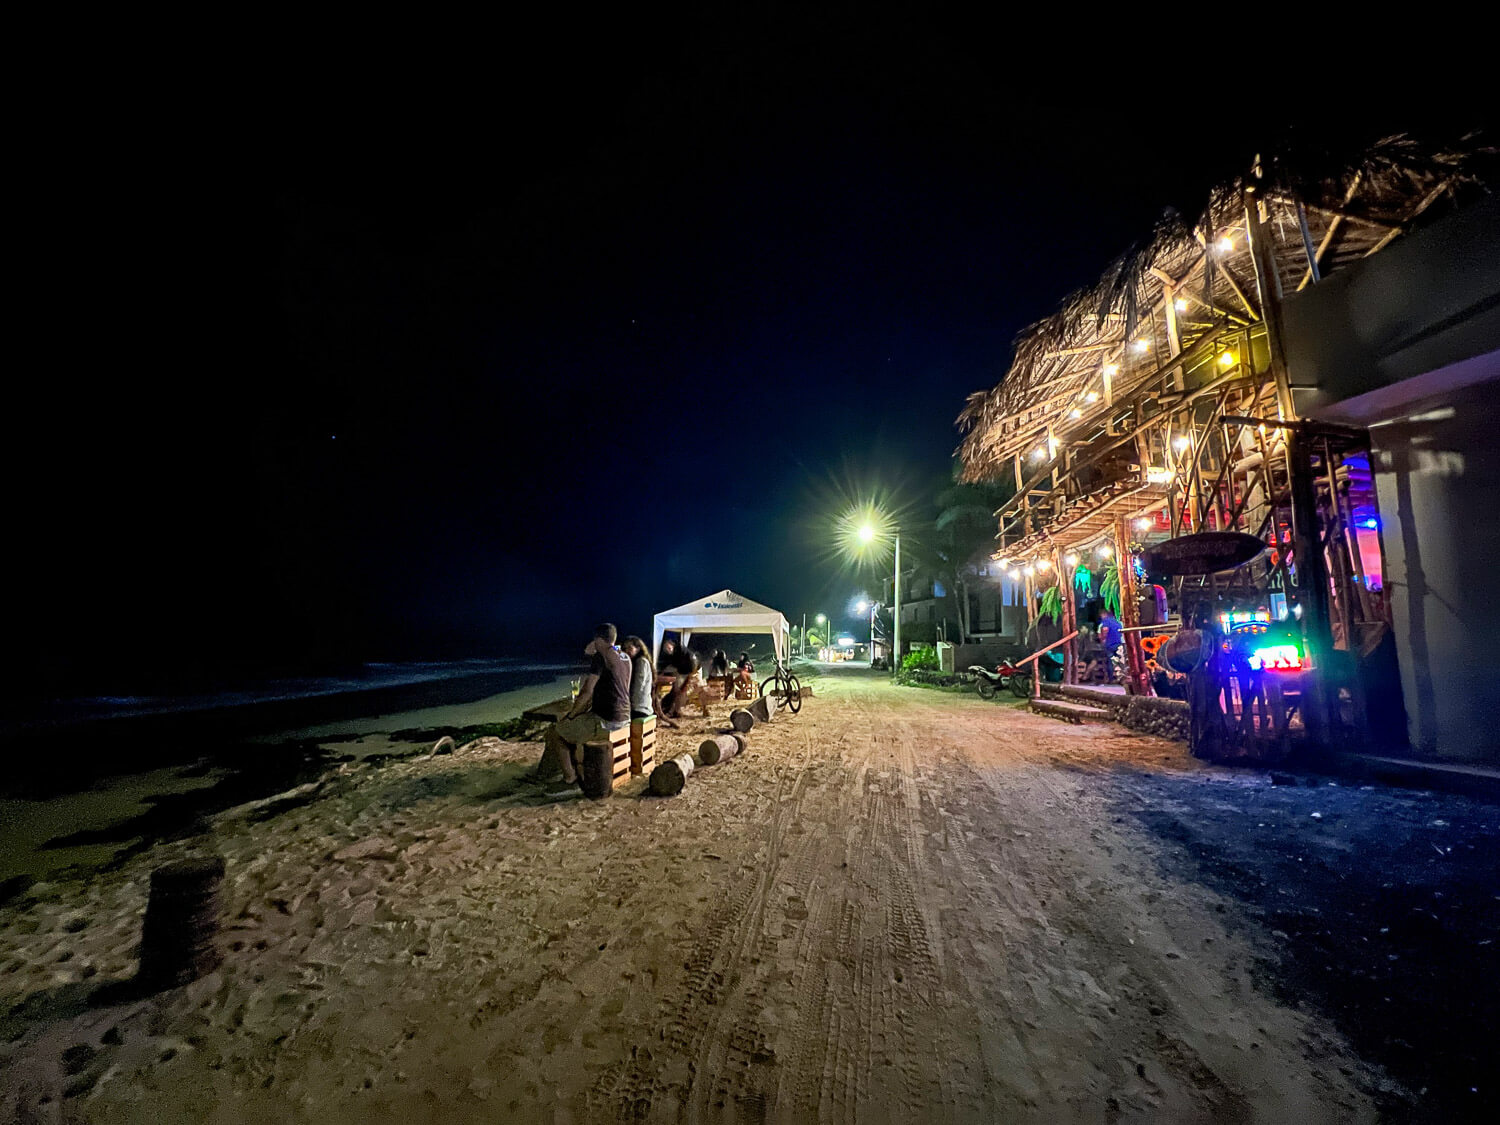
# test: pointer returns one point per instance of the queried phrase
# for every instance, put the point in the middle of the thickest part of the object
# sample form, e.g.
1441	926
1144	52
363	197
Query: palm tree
963	533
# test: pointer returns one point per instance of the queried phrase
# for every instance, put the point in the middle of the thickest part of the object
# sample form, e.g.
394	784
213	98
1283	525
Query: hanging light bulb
1225	244
1071	558
1092	396
1179	443
1014	575
1039	451
1106	550
1226	359
1111	369
1180	305
1075	413
1043	565
1030	570
1142	345
1142	524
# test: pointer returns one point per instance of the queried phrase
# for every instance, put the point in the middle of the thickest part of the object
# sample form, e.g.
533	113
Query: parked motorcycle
988	682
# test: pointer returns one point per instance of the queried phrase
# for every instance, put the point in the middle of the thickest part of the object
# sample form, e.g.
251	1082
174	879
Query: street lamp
876	526
820	619
862	606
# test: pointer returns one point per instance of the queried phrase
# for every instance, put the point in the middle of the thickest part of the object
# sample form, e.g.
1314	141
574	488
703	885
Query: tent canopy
724	612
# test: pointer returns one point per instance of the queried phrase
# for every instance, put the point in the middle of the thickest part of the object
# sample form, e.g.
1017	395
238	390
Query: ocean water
443	681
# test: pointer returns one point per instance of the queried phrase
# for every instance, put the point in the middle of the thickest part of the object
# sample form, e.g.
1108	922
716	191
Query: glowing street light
875	526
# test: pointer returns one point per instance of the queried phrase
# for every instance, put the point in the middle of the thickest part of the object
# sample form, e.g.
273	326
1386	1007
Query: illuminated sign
1276	658
846	642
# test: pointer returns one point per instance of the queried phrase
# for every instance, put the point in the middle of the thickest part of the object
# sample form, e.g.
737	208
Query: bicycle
784	686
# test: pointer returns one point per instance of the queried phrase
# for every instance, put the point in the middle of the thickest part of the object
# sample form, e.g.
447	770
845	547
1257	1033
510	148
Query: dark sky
368	365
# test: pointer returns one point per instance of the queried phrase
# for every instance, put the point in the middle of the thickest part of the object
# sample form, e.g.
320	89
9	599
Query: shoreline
68	832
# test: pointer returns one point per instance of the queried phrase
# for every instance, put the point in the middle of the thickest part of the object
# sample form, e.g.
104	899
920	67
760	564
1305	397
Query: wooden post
1069	616
1130	610
182	922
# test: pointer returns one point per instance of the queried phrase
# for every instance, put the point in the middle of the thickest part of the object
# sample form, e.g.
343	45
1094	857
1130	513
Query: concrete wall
1437	474
1407	343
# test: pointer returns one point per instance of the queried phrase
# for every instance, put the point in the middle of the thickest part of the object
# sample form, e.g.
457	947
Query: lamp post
820	619
862	606
867	535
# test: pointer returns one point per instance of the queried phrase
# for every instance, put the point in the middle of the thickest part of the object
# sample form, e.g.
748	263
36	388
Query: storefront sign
1208	552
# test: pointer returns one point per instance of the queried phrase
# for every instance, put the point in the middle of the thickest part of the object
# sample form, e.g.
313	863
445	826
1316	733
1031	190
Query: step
1071	712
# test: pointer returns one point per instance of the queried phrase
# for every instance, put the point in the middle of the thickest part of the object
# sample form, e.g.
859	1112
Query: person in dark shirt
683	662
602	706
718	669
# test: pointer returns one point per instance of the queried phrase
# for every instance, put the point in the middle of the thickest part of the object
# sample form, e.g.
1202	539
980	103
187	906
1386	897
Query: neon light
1228	620
1277	658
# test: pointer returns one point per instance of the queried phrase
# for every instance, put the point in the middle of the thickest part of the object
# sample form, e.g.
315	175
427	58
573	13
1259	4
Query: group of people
620	689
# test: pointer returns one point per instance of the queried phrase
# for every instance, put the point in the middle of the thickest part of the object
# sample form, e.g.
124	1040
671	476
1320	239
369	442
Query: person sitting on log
744	677
602	706
718	669
644	702
686	685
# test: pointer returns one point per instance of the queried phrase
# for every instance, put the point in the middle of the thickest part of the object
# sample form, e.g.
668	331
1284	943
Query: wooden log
764	709
182	922
668	778
741	720
719	748
597	776
806	691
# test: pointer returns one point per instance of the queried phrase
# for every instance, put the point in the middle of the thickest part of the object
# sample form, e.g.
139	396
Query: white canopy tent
724	612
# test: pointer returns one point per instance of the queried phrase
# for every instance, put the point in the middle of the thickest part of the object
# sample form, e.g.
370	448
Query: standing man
603	705
1109	639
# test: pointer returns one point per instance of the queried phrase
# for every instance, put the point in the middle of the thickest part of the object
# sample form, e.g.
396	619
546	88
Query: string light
1226	244
1180	305
1142	524
1092	396
1043	565
1106	550
1030	570
1111	369
1039	451
1226	359
1014	575
1142	345
1179	444
1075	413
1071	558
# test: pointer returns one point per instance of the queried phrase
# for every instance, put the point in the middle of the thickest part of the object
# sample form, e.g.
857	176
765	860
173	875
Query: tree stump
182	921
720	748
763	709
741	720
668	778
596	779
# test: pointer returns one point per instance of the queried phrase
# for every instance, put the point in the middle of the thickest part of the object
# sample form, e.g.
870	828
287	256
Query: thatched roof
1071	371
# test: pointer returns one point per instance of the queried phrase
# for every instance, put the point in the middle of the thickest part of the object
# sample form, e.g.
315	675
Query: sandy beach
77	831
898	905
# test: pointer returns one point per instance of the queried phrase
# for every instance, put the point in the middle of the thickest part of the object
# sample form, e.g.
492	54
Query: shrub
921	658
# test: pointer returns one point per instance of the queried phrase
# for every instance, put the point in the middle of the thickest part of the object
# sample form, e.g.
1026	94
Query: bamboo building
1257	370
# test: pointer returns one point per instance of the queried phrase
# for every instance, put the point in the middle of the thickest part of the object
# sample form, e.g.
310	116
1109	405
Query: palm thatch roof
1074	371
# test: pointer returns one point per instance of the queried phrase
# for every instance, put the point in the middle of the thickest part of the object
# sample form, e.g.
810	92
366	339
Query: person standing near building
1110	636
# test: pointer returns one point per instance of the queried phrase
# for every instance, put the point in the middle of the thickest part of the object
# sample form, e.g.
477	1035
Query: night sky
377	367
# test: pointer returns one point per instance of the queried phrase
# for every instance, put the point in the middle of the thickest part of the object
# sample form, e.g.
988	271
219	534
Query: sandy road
901	905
